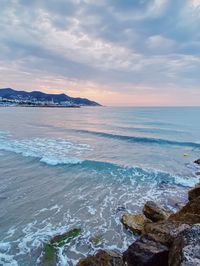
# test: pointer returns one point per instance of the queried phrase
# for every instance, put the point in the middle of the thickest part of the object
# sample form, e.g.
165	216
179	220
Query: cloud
119	47
160	43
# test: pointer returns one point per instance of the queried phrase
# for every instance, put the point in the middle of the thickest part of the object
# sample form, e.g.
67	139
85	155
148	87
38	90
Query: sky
116	52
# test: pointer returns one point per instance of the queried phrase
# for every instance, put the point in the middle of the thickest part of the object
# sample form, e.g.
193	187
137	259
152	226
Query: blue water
63	168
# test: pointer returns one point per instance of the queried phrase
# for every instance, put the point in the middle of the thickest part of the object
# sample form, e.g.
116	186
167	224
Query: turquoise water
63	168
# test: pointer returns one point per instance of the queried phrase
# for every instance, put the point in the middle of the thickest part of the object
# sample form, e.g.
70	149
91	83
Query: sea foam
52	151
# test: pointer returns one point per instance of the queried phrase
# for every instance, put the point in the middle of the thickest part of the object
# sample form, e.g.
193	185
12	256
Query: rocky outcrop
185	250
190	213
146	252
165	231
166	239
194	192
197	161
102	258
50	248
135	222
154	212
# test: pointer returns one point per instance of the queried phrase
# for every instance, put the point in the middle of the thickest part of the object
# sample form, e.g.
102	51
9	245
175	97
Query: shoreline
46	106
163	237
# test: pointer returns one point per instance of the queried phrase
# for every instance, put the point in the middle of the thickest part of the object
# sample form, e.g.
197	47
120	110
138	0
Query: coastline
163	237
41	106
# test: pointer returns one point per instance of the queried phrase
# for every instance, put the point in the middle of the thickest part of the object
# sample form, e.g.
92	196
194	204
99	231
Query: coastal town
4	102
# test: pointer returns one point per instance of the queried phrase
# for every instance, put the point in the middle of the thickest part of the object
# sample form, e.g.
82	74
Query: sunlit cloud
115	52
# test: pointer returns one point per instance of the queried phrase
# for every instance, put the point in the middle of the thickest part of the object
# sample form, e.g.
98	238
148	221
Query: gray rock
197	161
146	252
185	250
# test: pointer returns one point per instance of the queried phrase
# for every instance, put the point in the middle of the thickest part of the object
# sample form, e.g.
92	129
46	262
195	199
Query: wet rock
185	250
197	161
102	258
194	192
60	240
135	222
49	257
146	252
165	231
96	240
190	213
154	212
50	249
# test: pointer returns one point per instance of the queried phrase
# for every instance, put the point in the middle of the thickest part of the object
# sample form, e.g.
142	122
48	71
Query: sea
84	168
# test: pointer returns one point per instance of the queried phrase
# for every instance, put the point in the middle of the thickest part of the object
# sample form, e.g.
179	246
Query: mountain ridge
38	96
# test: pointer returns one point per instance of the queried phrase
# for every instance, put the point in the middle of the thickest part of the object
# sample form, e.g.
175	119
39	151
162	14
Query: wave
143	140
115	126
52	151
57	151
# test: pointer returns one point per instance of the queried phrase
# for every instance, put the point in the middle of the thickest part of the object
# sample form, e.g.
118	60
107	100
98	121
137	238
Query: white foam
91	210
7	260
56	161
52	151
4	246
186	181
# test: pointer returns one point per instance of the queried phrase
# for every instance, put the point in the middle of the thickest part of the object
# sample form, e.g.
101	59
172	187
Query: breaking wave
52	151
57	151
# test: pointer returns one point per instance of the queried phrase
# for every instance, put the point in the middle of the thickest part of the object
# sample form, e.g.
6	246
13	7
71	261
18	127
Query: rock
135	222
96	240
194	192
197	161
60	240
102	258
165	231
146	252
50	249
49	257
185	250
190	213
154	212
197	173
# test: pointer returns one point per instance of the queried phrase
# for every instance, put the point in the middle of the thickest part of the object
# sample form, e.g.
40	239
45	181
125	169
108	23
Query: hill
38	97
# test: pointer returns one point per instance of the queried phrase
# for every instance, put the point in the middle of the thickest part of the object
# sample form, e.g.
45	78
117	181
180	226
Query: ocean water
66	168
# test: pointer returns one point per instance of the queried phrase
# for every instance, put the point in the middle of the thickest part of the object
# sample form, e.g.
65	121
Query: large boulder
146	252
154	212
135	222
194	192
185	250
197	161
102	258
165	231
190	213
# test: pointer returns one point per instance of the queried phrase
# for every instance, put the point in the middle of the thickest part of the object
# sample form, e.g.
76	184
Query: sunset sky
116	52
